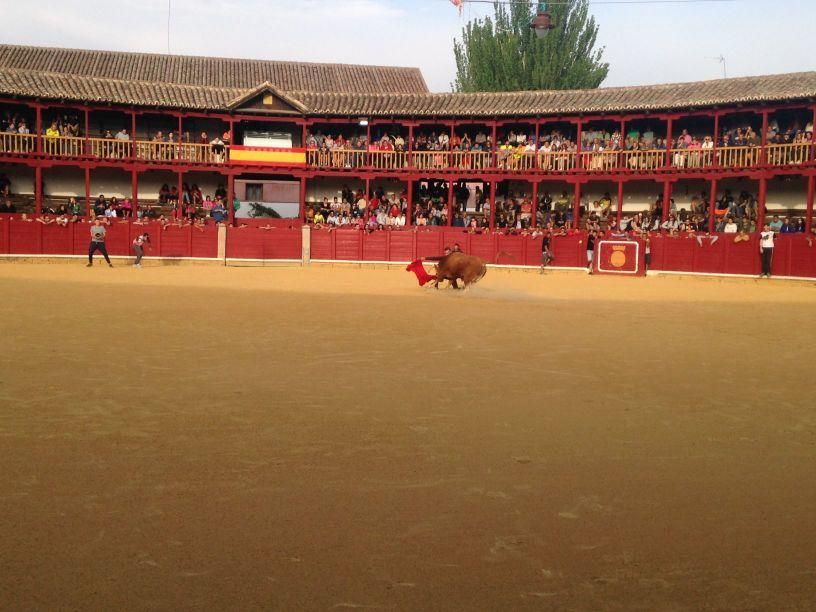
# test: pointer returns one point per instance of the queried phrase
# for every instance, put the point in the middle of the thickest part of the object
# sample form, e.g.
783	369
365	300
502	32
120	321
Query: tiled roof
213	71
175	85
772	88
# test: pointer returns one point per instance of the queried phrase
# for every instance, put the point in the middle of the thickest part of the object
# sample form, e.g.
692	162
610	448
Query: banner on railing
266	156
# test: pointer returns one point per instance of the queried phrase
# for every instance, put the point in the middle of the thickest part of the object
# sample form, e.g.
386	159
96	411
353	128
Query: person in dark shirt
7	207
590	249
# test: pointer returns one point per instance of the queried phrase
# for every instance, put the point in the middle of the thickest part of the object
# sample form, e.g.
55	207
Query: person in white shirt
382	218
766	249
122	135
730	226
399	220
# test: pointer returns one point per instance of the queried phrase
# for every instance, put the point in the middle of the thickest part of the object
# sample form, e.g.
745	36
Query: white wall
22	178
317	189
63	181
790	194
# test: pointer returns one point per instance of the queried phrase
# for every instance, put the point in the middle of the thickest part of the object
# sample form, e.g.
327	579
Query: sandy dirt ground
206	438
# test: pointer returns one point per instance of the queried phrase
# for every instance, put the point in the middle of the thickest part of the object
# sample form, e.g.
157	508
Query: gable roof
265	88
220	72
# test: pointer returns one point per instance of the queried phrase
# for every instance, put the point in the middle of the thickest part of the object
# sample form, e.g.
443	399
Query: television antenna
721	58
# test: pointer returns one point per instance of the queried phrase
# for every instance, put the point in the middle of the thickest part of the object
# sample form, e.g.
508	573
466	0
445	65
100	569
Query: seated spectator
787	227
730	226
776	224
7	207
218	212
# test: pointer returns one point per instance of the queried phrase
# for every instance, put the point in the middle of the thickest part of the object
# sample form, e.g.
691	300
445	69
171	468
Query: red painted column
410	150
763	194
667	192
132	134
669	126
38	127
368	148
87	132
716	161
493	163
302	208
813	138
578	147
87	193
764	155
619	213
180	208
450	202
303	134
811	187
493	187
712	203
535	197
178	147
38	190
134	193
535	156
231	198
409	214
576	206
367	198
622	143
449	154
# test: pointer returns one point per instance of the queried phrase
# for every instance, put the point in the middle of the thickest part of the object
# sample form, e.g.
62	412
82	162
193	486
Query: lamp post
542	22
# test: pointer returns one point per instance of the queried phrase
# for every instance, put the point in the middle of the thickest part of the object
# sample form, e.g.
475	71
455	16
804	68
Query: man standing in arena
138	248
98	243
766	249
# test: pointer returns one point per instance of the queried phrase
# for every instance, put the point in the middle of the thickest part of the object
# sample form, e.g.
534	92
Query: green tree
503	53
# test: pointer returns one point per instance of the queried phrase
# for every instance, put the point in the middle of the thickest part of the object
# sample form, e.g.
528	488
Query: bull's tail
481	274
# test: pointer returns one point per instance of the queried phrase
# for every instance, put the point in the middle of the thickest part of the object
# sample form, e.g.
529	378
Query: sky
644	44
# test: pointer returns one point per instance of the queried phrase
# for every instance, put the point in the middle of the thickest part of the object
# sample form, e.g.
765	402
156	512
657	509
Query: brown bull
458	266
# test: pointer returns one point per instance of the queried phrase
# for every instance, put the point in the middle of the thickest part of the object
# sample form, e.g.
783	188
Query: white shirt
730	228
766	240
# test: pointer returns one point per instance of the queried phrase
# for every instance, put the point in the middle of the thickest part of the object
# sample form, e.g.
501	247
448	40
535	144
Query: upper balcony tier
658	161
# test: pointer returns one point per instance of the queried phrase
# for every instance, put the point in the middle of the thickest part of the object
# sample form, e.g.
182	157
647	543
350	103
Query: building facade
146	128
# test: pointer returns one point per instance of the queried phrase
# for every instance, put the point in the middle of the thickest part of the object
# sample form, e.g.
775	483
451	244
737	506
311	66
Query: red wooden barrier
793	255
254	243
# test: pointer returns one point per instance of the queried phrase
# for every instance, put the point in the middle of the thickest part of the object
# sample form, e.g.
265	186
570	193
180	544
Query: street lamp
542	22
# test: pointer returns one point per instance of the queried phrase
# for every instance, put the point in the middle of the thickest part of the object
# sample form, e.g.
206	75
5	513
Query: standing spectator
98	243
590	249
766	249
139	246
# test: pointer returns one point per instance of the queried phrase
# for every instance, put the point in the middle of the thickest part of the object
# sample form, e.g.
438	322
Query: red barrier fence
34	238
794	255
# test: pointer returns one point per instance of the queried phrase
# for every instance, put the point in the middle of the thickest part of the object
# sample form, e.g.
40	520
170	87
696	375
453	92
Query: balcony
772	156
25	145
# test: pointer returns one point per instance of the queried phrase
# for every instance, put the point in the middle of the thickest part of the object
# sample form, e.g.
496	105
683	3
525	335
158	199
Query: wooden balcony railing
599	161
640	161
788	154
558	161
738	157
388	160
431	160
471	160
107	148
11	142
693	158
510	160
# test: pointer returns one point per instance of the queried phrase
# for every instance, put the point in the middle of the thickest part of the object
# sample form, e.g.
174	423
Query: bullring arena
272	414
338	438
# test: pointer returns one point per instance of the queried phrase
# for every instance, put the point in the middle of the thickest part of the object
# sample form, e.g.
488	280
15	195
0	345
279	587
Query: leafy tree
503	53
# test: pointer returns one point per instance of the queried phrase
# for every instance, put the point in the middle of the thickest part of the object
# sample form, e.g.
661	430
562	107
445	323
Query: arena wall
794	255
